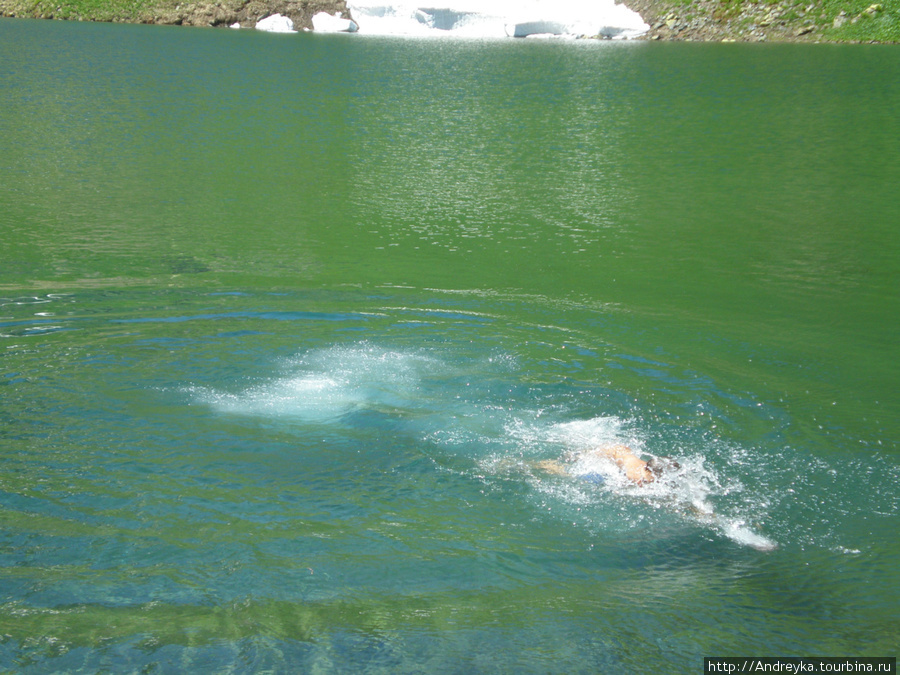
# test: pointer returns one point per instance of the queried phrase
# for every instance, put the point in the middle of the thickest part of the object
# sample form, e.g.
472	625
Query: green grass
859	26
91	10
883	26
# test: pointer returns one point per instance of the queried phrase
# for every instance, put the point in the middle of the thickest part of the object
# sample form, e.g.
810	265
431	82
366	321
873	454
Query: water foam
687	489
454	409
325	385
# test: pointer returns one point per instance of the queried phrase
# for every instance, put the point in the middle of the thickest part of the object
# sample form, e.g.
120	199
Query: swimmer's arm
550	466
617	453
634	467
636	470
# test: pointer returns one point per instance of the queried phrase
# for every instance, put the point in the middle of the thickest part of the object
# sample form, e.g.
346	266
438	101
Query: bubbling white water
686	488
324	385
450	407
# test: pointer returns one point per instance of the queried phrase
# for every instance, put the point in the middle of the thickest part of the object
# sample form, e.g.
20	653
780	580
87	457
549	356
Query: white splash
688	487
325	385
742	534
336	384
499	18
584	434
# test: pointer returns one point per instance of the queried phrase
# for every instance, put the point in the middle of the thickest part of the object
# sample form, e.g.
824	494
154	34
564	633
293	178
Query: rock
804	30
839	20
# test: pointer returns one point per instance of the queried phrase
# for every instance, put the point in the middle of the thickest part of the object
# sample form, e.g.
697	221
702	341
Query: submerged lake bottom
286	354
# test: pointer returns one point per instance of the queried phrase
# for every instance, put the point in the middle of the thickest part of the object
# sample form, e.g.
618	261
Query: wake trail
471	410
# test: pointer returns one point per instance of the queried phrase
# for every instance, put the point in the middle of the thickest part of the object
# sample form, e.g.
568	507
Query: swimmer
641	472
636	470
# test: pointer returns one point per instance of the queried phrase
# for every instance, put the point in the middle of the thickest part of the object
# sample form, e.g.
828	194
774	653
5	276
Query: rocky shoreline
220	13
247	14
669	20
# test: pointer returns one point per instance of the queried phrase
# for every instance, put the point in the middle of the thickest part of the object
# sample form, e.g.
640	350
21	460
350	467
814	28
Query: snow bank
275	24
326	23
498	18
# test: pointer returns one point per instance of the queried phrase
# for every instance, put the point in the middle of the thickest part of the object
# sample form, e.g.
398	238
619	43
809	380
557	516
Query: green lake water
287	322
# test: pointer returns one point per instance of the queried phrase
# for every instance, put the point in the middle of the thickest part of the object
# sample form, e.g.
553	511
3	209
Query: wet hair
659	465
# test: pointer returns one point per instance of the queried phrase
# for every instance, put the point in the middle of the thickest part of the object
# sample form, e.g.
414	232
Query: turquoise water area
288	321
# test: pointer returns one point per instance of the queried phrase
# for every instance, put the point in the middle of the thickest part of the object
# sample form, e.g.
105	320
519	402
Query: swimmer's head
660	465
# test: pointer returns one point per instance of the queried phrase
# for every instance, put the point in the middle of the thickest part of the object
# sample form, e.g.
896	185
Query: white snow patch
323	22
276	23
499	18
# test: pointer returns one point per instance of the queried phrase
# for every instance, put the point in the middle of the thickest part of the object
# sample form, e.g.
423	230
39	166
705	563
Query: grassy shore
772	20
705	20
